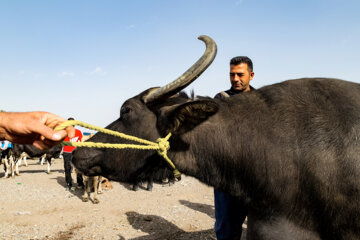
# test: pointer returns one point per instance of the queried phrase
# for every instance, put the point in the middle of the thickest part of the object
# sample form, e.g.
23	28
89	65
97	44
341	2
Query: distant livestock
21	150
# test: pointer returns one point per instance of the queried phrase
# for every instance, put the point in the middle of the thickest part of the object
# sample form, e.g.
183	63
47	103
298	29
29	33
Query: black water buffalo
290	150
33	151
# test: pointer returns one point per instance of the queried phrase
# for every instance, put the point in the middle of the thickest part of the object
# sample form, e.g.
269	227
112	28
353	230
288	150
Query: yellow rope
161	145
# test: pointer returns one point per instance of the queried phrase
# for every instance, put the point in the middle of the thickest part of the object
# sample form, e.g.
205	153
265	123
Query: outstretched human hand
35	128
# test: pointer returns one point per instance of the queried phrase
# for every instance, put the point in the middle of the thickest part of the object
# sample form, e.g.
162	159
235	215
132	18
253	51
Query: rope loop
161	145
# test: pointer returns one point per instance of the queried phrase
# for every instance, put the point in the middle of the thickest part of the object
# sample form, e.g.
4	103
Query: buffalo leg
79	180
150	184
136	185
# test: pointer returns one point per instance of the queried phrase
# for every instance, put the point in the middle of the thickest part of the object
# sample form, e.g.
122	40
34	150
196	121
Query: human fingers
53	121
48	132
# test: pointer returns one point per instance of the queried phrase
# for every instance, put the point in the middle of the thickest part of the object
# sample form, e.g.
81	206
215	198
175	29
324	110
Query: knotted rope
161	144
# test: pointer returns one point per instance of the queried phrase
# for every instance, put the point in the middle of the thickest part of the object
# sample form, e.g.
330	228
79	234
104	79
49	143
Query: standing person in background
5	144
67	154
230	212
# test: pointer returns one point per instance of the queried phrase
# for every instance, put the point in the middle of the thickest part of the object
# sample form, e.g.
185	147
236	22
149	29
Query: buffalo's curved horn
187	77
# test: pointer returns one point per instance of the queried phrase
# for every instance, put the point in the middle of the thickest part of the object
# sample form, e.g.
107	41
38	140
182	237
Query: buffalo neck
222	152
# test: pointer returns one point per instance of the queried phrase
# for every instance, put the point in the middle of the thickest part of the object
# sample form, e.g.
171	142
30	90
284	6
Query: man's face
240	77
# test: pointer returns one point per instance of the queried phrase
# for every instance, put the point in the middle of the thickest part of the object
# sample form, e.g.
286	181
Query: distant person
67	155
230	212
36	128
5	146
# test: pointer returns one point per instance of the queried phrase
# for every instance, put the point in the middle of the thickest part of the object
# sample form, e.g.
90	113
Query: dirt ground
36	205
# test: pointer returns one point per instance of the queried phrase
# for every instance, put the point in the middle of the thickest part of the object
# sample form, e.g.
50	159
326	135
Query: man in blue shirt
230	212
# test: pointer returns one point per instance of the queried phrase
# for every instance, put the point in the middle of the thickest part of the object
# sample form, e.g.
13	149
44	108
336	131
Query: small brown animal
105	184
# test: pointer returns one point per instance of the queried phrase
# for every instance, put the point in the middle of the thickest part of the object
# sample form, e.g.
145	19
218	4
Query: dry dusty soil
36	205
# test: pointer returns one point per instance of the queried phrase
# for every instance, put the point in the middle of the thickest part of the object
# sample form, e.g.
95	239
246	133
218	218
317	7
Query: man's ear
187	116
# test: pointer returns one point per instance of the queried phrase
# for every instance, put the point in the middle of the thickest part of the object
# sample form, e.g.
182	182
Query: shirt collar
239	91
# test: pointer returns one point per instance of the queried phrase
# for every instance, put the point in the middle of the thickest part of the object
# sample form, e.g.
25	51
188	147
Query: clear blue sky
84	58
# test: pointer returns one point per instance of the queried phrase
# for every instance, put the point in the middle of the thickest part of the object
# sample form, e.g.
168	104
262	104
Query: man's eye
238	74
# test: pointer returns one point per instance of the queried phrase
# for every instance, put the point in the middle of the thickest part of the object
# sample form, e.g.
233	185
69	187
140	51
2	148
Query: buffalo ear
187	116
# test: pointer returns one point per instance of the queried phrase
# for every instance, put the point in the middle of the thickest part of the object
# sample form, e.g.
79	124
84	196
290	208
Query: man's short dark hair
242	59
70	118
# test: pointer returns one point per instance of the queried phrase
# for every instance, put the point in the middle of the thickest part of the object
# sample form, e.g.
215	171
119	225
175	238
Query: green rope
161	145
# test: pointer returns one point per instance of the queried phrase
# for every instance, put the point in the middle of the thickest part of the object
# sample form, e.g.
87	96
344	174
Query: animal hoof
85	199
96	201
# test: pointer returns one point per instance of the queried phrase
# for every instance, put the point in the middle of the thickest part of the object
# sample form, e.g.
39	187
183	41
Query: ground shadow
204	208
159	228
78	192
39	171
126	185
210	211
21	172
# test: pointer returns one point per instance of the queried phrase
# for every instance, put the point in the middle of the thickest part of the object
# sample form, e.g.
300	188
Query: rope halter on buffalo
161	145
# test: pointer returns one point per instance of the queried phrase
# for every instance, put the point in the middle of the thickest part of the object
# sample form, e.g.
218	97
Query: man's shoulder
229	93
222	95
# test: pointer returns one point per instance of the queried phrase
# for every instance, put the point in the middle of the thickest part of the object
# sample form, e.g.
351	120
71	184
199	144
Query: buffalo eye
124	110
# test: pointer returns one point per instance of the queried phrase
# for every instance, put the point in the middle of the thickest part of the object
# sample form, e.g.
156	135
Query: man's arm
35	128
